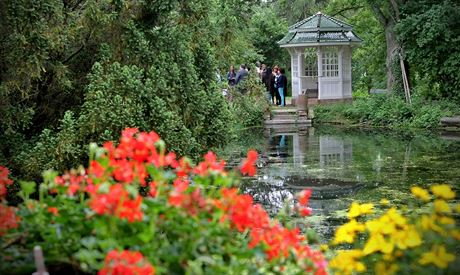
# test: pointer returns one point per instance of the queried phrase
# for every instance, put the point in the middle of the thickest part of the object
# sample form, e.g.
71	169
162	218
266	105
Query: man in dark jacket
241	75
282	86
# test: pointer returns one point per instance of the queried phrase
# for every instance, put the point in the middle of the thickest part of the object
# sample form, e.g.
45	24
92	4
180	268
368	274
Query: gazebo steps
284	116
288	116
284	110
288	122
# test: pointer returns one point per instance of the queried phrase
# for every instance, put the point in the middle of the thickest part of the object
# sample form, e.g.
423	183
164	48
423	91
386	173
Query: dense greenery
72	72
391	111
79	71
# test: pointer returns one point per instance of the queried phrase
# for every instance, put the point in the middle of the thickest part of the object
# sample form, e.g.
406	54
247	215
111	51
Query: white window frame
330	62
310	62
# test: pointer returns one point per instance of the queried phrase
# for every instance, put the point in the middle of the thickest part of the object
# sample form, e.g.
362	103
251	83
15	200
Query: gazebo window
311	61
330	61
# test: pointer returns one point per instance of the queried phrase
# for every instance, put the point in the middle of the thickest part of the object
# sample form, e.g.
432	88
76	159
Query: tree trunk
392	53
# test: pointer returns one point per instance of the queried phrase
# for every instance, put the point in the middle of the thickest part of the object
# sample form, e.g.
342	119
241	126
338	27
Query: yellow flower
420	193
383	269
437	256
457	208
381	226
357	210
346	262
346	233
428	223
446	220
324	247
456	234
384	202
443	191
407	238
378	243
395	217
441	206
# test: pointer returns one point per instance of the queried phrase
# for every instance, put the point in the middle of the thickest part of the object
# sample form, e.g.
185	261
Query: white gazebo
320	48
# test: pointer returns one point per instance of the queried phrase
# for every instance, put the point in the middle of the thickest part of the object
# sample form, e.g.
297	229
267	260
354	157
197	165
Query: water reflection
340	167
298	159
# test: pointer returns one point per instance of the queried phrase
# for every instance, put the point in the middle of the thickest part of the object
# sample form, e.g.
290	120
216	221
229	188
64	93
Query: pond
342	165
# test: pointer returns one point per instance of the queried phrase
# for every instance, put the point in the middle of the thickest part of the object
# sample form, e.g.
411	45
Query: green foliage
384	110
430	33
267	29
249	103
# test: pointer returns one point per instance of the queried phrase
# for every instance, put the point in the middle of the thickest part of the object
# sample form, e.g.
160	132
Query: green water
343	165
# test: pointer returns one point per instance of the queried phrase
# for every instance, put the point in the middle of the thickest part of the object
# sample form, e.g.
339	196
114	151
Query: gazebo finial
318	13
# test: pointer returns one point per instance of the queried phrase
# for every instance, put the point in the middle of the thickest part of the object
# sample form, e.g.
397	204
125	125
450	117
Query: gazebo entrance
320	49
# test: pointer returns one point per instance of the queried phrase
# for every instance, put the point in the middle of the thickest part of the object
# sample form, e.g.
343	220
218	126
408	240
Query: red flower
116	203
96	169
53	210
305	211
210	165
247	168
304	197
8	218
126	263
4	180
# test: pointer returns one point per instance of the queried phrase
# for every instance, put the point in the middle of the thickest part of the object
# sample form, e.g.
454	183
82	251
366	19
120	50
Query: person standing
241	75
273	89
282	86
277	85
266	81
231	76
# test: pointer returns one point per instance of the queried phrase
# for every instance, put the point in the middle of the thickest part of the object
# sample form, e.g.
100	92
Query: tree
430	33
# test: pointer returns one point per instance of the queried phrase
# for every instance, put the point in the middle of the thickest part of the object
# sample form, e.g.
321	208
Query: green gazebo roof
319	29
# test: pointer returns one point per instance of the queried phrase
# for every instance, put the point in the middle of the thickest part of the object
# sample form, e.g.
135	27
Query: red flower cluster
8	218
72	181
136	149
126	163
304	198
115	201
126	263
241	211
193	202
248	166
276	240
4	181
209	165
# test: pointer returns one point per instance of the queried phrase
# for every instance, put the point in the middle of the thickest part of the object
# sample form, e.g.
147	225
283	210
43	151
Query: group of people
274	80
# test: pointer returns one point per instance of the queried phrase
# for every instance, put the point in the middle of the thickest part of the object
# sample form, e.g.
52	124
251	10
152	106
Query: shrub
138	208
249	103
384	110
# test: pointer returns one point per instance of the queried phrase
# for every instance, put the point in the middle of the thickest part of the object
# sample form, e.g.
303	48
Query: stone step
287	121
284	116
284	110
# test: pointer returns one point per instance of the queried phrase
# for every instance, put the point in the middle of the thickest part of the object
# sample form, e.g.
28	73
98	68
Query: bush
139	208
249	103
384	110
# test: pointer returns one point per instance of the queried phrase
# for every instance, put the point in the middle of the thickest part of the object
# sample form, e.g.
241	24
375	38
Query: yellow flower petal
441	206
443	191
420	193
437	256
384	202
357	209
